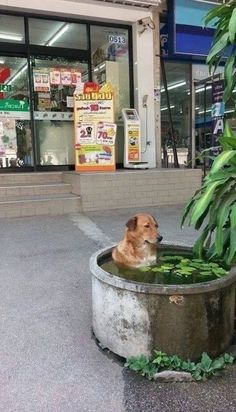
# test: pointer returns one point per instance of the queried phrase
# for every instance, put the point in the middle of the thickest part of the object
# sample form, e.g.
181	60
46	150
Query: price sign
106	133
85	133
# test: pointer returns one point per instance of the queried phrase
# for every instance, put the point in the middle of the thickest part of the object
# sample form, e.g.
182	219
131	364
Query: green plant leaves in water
144	269
185	267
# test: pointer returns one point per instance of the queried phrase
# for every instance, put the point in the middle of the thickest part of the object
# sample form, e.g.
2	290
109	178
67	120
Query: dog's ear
132	223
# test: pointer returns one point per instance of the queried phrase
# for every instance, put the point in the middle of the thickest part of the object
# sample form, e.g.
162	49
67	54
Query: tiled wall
100	191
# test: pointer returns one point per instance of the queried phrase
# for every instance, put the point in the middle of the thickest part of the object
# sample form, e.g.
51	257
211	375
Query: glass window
12	29
204	124
54	84
178	85
57	34
15	131
110	62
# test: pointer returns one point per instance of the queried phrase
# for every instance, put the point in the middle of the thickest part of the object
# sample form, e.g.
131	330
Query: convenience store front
41	61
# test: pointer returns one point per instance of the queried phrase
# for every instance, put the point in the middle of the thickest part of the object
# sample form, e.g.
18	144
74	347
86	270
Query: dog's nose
160	238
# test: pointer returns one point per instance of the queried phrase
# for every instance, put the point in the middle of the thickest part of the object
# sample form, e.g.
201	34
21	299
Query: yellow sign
94	157
95	131
133	143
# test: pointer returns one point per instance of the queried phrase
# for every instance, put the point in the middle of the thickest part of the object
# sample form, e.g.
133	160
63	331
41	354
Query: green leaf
228	75
218	363
219	272
144	269
189	206
213	265
205	273
218	47
157	269
228	358
197	375
212	14
227	140
206	362
222	216
198	247
221	160
232	249
202	203
232	26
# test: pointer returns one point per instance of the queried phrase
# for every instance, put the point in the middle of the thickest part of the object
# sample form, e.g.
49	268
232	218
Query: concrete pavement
49	359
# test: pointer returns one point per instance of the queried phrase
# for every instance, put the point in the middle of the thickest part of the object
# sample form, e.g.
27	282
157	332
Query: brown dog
139	245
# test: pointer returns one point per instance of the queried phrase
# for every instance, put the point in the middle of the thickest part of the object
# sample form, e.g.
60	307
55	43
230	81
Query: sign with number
95	131
5	87
117	39
106	133
85	133
133	143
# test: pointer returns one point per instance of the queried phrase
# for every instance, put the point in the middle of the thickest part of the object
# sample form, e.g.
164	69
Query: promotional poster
95	130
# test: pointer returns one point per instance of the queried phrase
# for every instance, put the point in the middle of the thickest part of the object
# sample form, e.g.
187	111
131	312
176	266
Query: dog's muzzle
158	240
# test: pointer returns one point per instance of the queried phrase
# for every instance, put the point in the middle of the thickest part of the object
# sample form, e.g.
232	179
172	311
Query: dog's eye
147	225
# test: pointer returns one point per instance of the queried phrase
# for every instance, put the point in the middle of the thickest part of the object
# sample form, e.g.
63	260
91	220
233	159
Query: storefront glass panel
15	130
12	29
178	86
36	101
52	33
110	64
204	124
54	83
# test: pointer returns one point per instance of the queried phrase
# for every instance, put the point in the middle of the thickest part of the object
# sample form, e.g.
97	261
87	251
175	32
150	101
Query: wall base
132	188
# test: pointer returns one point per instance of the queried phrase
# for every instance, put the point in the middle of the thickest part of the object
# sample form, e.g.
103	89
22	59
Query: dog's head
144	228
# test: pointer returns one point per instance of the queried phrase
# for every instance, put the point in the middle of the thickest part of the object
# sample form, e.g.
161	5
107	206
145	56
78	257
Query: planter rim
148	288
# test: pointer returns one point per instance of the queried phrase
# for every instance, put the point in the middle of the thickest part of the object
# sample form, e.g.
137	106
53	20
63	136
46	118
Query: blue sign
164	37
217	114
189	36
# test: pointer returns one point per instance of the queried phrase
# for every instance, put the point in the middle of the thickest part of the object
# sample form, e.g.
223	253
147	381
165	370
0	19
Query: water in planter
169	270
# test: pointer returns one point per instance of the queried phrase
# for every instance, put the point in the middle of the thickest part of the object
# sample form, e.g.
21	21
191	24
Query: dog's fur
139	244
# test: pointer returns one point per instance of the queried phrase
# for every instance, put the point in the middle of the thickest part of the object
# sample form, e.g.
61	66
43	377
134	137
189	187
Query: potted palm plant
213	207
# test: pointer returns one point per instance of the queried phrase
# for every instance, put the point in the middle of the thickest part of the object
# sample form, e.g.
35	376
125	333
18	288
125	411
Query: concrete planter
132	318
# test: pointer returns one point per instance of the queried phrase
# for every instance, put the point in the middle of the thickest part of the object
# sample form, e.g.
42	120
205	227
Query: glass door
54	82
15	125
203	121
175	114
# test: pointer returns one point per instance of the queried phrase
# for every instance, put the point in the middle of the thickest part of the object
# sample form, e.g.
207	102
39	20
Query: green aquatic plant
185	267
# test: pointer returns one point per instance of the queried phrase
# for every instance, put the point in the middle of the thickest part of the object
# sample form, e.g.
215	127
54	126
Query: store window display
15	126
54	84
43	60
